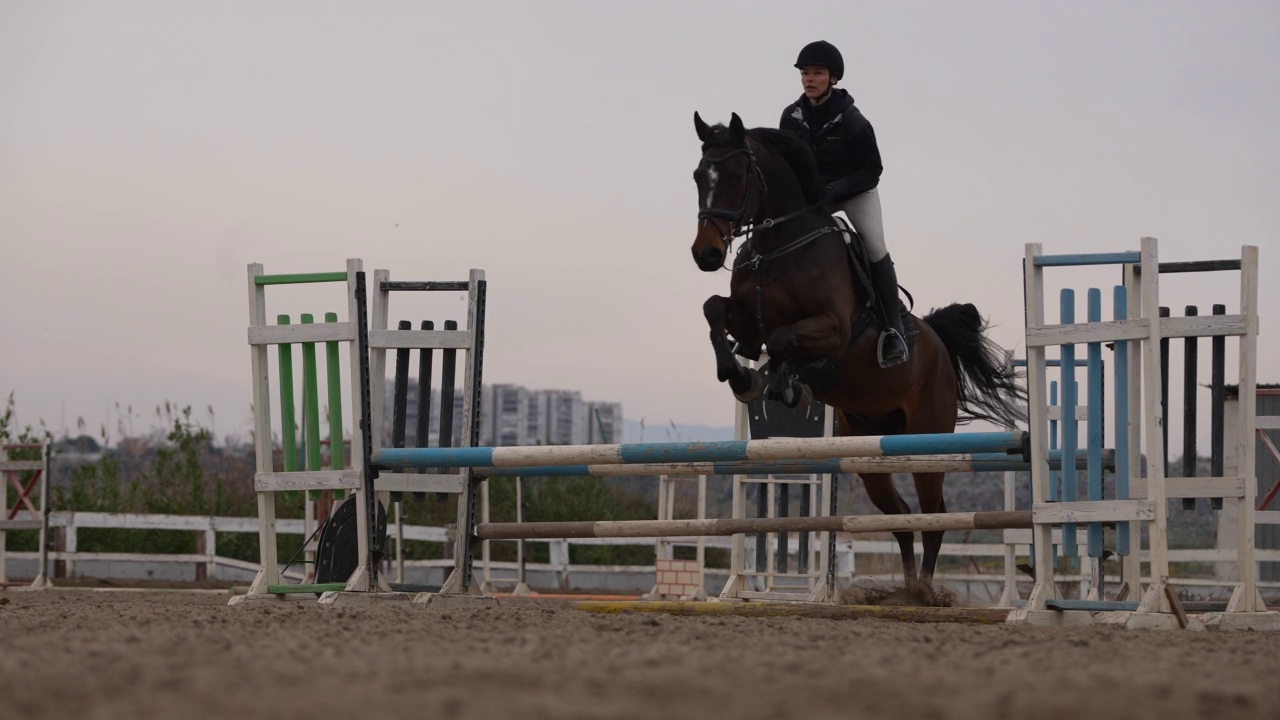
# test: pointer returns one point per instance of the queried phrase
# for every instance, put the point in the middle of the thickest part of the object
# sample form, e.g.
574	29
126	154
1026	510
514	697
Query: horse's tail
987	386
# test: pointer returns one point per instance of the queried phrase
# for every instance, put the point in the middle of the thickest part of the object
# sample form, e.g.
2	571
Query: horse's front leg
747	385
814	338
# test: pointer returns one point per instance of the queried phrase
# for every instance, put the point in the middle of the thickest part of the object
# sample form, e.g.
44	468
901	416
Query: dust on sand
120	655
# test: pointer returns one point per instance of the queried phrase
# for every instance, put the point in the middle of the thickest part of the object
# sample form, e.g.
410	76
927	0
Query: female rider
848	158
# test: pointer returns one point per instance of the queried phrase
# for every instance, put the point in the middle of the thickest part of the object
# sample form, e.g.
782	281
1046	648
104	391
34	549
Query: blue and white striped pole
771	450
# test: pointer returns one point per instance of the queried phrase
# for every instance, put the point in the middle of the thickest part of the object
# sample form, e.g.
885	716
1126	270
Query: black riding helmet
822	53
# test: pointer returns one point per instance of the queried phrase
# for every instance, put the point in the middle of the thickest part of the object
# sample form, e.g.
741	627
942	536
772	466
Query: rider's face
816	80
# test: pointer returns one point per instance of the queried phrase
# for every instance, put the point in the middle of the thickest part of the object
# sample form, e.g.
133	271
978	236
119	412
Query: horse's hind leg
887	500
929	490
746	384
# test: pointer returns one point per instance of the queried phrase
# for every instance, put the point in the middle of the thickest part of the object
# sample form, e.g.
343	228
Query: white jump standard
1138	328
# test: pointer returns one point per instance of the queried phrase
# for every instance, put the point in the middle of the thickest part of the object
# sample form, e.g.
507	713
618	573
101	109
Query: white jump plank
420	339
1136	329
1203	326
1194	487
21	465
1082	413
1093	511
409	482
19	524
307	480
313	332
1109	331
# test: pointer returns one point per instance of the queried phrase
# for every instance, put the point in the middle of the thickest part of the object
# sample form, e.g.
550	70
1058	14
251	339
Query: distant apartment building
515	415
566	417
536	417
507	411
411	417
605	423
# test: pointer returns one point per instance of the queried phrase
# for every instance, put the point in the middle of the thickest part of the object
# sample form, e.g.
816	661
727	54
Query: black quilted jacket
843	143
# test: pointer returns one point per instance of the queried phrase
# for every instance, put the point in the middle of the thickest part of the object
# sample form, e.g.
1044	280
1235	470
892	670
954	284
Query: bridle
735	217
739	217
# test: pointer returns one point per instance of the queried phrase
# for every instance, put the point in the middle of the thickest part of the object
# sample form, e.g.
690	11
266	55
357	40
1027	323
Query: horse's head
730	190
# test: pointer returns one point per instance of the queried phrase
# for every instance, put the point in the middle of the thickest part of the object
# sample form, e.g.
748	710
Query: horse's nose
709	258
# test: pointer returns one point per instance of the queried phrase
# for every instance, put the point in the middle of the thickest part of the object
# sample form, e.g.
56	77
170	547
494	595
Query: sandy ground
123	655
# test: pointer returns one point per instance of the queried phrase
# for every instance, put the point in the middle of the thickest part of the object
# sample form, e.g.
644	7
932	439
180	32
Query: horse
794	295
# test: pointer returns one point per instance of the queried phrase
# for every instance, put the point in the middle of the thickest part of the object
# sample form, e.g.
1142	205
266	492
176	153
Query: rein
770	222
739	217
760	261
746	228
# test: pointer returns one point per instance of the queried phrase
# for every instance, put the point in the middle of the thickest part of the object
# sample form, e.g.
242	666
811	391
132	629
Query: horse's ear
737	133
704	131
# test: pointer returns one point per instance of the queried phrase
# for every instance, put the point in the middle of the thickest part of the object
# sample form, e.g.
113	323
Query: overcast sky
150	150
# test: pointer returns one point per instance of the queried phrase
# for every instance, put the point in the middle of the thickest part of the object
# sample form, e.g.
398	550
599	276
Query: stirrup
880	346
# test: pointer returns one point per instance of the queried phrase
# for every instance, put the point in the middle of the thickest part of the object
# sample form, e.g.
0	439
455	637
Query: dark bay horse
793	295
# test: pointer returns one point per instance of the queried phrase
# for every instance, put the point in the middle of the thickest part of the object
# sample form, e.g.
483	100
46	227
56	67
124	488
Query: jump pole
993	520
770	450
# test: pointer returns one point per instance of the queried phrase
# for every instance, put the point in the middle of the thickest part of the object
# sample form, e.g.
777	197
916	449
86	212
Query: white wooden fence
207	560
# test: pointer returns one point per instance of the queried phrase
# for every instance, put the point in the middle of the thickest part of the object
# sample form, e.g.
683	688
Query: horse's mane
795	151
799	157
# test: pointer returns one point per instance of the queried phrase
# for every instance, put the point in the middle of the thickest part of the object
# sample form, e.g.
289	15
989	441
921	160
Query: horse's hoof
806	397
755	392
797	396
789	398
726	370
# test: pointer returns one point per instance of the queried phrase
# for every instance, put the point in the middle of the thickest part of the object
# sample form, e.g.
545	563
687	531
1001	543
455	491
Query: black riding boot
892	348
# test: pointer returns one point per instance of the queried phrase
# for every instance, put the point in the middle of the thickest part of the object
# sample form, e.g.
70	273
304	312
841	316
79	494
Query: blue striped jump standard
771	450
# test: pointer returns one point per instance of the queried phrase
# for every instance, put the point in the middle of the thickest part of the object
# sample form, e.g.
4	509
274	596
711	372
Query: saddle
860	268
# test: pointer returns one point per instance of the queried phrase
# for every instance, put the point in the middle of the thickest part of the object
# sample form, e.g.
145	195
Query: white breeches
863	212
